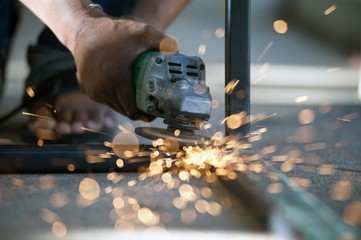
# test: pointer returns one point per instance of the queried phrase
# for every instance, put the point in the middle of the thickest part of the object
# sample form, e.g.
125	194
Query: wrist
82	21
158	13
149	20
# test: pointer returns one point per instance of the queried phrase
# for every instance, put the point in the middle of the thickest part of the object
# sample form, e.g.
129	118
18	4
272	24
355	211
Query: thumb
168	44
159	41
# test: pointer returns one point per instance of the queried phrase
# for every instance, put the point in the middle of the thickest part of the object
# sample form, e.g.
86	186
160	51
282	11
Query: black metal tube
237	60
55	158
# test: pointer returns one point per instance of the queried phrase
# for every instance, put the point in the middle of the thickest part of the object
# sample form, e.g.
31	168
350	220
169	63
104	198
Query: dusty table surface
42	206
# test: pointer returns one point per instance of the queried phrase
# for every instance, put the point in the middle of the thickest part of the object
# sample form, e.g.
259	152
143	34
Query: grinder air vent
175	68
192	70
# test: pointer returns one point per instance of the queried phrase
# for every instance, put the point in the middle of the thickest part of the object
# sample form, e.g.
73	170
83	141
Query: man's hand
104	52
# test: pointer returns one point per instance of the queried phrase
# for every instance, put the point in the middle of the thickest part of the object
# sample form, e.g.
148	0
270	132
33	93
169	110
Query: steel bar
57	158
237	60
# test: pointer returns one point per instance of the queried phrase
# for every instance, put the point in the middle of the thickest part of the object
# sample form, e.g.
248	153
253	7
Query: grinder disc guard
185	137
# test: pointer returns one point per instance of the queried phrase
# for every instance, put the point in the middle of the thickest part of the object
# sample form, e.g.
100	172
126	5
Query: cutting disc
185	137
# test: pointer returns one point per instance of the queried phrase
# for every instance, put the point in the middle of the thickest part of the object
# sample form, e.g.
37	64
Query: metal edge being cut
182	138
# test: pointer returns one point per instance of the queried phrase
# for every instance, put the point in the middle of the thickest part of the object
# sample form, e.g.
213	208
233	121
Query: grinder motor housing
172	86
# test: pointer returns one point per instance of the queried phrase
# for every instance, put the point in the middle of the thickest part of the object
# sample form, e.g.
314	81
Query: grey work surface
25	202
331	139
330	142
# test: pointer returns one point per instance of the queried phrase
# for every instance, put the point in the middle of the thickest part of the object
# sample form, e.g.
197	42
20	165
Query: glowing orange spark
219	33
177	132
214	209
125	145
301	99
59	229
94	131
71	167
231	86
269	45
120	163
108	144
89	189
327	169
351	213
48	216
123	129
341	190
37	116
202	49
330	70
343	119
306	116
280	26
200	87
329	10
274	188
58	200
30	91
40	142
17	182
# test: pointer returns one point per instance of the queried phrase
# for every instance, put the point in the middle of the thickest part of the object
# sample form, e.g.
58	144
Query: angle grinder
172	86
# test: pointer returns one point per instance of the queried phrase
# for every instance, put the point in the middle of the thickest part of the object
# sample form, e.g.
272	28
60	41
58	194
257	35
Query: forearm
158	13
66	18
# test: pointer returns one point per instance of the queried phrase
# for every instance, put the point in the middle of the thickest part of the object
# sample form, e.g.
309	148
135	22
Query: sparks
329	10
301	99
231	86
344	119
280	26
94	131
265	50
37	116
30	91
123	129
202	49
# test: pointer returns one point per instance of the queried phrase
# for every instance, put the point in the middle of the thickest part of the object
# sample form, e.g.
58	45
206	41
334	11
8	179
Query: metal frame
237	60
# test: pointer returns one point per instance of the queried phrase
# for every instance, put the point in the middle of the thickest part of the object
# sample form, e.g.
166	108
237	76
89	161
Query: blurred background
302	52
317	53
